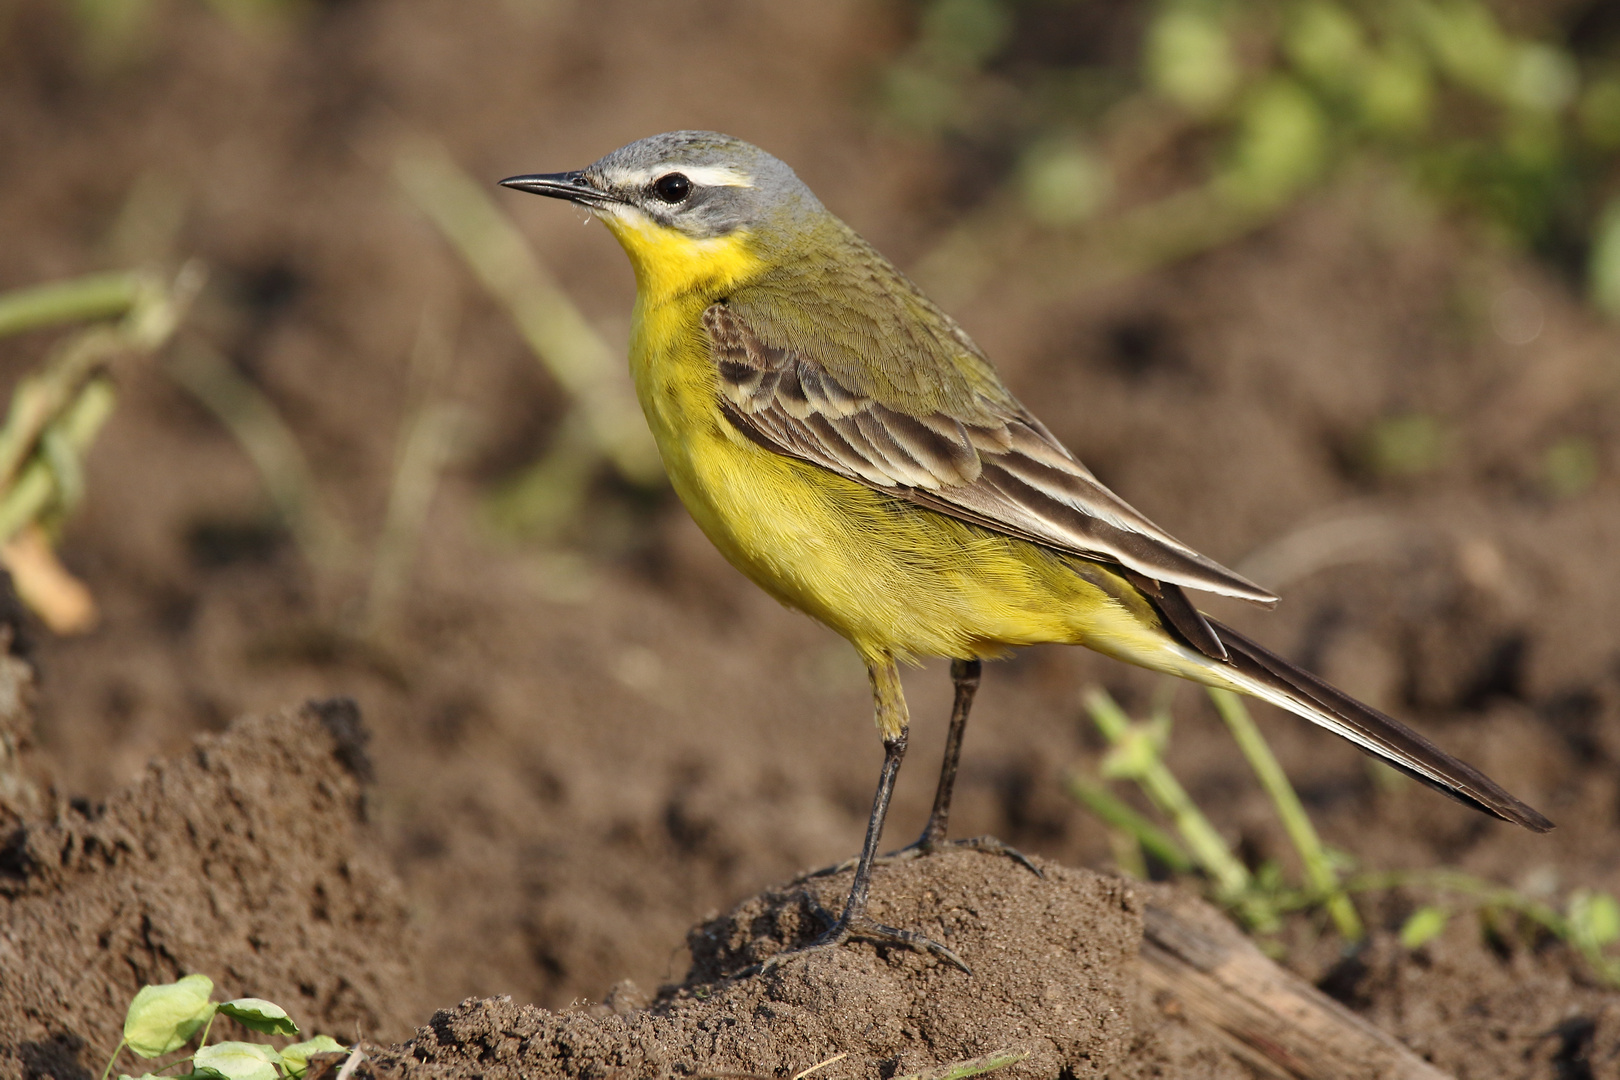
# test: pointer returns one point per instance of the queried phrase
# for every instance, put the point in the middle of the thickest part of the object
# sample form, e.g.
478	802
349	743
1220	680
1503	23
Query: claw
867	929
987	844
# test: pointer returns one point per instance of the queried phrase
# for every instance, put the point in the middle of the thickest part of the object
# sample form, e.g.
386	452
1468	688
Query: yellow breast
892	577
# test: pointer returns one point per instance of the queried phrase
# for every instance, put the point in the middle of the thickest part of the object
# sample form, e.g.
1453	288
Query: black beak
563	185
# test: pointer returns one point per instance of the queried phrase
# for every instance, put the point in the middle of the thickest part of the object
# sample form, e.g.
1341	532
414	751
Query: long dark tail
1276	680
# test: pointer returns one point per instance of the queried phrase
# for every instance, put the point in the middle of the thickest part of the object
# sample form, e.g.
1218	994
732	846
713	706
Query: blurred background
304	405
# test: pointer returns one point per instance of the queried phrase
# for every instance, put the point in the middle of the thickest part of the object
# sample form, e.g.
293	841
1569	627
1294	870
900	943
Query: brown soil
579	756
1057	989
243	860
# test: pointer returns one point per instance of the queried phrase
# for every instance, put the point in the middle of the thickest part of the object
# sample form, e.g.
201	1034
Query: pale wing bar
1013	477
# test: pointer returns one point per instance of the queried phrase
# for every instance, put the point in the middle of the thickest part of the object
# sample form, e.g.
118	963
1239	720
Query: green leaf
1132	756
162	1018
1424	925
963	1070
1325	42
965	33
1406	444
1603	267
1397	94
260	1015
295	1058
1598	111
238	1061
1544	79
1190	61
1269	877
1570	466
1594	918
1469	44
1063	181
1281	144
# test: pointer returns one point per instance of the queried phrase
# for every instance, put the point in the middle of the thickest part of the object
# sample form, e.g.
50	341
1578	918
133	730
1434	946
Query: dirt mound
248	859
1053	978
243	860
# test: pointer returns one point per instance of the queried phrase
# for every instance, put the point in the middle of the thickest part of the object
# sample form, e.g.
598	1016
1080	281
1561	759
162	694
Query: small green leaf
1132	756
963	1070
1603	267
1424	925
238	1061
965	33
1269	877
1397	93
1281	144
295	1058
1544	78
260	1015
1063	181
1599	113
1405	444
1594	918
1325	42
1570	466
162	1018
1189	59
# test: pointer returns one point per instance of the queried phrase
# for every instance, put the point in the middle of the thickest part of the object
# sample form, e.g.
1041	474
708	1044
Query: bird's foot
926	845
866	928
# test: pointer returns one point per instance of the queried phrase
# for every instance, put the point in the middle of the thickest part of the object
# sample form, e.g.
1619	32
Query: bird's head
685	204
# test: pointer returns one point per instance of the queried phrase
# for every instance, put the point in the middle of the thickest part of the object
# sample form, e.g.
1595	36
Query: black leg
965	677
854	923
894	751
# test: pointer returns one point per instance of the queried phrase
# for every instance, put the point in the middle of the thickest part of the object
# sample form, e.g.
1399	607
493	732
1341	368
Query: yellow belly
894	578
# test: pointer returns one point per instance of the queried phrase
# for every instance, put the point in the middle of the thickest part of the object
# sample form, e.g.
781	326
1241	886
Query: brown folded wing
1008	474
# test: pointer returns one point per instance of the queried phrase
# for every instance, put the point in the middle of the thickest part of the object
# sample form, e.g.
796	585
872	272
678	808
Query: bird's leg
894	750
965	677
854	922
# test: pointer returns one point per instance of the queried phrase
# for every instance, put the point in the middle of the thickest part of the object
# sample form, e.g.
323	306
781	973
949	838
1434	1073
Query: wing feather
1002	470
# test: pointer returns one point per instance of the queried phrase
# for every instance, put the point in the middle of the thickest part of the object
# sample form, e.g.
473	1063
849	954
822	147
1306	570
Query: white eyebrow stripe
716	176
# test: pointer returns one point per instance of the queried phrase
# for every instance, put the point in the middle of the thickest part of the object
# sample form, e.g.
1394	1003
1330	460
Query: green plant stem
1230	876
37	486
1155	841
94	296
1296	822
114	1059
174	1064
152	316
40	398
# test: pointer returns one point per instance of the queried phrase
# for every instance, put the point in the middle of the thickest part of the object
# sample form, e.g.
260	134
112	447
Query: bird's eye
672	187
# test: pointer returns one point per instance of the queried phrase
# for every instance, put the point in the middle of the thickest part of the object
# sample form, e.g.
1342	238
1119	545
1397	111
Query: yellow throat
669	264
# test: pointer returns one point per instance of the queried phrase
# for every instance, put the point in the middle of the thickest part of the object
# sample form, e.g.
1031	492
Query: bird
846	446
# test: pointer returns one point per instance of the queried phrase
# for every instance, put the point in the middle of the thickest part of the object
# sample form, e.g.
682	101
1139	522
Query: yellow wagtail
847	446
